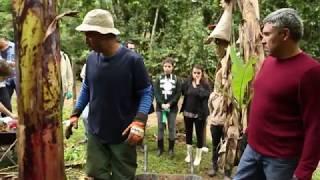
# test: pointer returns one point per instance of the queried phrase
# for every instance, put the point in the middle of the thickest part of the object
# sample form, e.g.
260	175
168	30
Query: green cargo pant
110	161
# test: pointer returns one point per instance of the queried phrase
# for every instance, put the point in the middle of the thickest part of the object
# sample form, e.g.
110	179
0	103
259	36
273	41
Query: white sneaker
205	149
187	159
189	151
197	160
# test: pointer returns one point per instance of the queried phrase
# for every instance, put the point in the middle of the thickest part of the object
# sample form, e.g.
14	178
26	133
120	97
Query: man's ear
286	33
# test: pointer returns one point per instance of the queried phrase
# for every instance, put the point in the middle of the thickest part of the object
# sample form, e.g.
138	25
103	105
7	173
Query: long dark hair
204	77
169	60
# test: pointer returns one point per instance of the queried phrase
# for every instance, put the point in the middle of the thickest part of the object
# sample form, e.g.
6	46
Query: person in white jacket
85	112
66	75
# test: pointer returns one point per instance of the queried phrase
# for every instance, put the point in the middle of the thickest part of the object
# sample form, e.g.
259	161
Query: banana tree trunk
250	40
154	28
250	30
40	140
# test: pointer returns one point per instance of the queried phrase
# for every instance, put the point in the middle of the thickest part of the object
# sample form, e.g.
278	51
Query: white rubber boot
189	151
197	160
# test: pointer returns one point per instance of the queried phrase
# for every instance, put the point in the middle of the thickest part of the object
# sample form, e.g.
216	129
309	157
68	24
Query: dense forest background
161	28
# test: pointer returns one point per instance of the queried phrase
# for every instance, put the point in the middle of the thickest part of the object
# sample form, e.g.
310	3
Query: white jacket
83	72
66	73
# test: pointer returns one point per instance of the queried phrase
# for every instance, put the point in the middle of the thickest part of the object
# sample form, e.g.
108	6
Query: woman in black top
196	91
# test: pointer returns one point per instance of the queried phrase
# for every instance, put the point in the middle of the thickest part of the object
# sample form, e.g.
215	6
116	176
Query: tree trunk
116	9
40	140
250	30
154	27
250	40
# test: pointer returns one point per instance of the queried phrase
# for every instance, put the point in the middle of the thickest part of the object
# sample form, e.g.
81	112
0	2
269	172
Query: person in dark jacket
196	91
167	90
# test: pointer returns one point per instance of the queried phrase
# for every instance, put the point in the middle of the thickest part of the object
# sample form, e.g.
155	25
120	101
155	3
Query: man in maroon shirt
284	119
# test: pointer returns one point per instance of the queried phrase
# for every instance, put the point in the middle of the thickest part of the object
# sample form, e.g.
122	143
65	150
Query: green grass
165	165
73	151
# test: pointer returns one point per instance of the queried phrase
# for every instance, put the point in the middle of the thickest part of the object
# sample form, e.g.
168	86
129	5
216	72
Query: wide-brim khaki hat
98	20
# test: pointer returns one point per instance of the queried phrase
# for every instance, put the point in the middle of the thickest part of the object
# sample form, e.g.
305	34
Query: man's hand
72	123
136	132
13	116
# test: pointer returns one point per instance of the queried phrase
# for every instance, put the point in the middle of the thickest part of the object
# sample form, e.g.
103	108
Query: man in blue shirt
7	52
117	86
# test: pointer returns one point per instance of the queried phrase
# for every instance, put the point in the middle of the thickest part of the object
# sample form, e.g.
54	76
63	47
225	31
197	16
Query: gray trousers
171	125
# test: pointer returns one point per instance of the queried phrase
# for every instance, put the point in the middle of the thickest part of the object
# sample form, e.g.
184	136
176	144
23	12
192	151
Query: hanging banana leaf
242	74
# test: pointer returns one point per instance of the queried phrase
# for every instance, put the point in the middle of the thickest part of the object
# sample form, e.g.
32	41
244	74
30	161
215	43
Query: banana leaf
242	74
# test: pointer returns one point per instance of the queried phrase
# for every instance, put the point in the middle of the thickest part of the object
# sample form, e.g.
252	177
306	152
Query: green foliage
242	74
6	20
316	175
182	37
188	49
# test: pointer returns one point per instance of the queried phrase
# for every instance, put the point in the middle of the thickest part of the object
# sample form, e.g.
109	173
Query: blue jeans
255	166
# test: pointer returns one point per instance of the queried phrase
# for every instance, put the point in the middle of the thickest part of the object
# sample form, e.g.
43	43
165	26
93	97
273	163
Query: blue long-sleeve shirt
9	53
144	105
119	91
